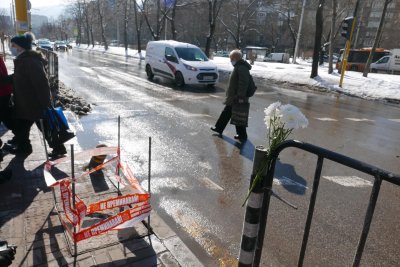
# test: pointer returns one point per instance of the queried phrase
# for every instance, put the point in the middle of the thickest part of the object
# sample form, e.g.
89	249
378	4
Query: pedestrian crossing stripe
395	120
356	119
349	181
326	119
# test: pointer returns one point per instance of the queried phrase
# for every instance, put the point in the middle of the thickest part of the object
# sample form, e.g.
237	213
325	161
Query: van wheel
179	80
354	68
149	72
374	71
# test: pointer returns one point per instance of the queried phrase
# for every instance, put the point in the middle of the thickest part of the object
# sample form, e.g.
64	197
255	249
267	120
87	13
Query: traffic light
346	27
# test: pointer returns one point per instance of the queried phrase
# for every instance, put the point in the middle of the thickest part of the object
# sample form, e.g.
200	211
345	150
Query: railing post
252	215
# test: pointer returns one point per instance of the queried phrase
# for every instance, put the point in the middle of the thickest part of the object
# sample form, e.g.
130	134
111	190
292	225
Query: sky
51	8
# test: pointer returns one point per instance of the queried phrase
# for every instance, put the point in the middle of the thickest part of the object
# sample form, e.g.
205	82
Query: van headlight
190	67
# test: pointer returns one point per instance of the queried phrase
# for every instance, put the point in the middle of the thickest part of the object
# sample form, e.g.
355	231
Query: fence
252	257
52	68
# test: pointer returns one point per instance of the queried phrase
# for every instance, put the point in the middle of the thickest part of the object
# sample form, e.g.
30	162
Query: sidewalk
28	219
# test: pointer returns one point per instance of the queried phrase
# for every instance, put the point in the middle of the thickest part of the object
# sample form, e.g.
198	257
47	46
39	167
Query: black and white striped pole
252	215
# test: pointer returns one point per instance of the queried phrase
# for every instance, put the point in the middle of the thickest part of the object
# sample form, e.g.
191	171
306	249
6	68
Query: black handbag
56	127
240	113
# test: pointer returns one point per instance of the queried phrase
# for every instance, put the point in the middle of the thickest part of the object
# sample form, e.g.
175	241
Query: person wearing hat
31	90
31	94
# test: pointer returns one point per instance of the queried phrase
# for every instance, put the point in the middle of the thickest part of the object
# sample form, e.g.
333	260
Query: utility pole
296	49
21	18
348	44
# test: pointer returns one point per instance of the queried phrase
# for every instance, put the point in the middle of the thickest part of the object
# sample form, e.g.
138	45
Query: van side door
169	61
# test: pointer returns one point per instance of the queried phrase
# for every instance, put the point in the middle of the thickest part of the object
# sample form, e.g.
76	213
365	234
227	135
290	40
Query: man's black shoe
240	138
214	129
19	151
56	154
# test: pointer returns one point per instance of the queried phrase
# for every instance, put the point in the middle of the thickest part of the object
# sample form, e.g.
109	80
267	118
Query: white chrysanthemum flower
292	117
270	112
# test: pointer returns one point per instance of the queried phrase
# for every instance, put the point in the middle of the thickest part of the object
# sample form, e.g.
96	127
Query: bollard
97	160
252	215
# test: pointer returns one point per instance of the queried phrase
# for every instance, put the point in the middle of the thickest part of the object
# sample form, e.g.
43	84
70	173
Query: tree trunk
126	19
103	37
211	23
86	13
317	40
173	27
377	37
138	28
331	36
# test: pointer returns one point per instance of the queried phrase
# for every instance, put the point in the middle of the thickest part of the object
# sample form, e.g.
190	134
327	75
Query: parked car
221	54
60	46
44	44
185	63
277	57
114	43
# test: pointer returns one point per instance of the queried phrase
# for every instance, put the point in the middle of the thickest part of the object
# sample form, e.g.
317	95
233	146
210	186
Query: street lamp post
296	49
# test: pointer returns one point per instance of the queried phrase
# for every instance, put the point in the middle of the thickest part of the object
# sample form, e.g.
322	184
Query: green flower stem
276	135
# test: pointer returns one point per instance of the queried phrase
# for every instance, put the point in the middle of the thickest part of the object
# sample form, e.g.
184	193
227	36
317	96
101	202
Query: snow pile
111	50
67	99
375	86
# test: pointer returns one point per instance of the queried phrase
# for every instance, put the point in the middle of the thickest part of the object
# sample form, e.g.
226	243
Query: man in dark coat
236	94
31	90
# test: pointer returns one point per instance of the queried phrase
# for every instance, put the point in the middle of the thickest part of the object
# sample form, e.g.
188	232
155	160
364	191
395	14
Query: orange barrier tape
117	202
112	222
75	216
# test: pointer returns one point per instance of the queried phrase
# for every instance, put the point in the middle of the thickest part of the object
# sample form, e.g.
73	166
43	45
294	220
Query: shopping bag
57	131
240	113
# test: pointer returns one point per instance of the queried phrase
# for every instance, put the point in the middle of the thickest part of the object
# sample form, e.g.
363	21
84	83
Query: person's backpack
252	87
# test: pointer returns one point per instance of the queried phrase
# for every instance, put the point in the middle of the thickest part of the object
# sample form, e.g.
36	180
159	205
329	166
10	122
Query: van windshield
191	54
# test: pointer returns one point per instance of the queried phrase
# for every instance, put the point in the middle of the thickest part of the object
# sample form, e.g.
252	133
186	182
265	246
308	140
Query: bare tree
147	8
240	18
101	18
377	37
86	17
138	26
214	7
332	36
318	36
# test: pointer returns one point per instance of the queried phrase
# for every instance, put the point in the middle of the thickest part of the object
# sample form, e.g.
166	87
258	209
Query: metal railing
378	174
52	69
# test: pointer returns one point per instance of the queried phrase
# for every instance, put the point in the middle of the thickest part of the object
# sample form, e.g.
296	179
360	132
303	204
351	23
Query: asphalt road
199	180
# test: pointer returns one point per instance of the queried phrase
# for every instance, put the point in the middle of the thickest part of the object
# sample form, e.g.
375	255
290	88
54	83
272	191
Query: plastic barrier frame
72	246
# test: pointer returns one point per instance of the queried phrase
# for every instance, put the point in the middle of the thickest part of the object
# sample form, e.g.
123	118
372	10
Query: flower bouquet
280	120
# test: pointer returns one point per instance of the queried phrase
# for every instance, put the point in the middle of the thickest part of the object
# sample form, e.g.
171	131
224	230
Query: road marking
210	184
395	120
287	181
87	70
356	119
348	181
198	115
216	96
326	119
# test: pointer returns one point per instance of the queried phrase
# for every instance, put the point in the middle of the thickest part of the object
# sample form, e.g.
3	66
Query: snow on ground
375	86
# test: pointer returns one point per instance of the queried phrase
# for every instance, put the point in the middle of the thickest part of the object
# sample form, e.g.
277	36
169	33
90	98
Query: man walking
236	97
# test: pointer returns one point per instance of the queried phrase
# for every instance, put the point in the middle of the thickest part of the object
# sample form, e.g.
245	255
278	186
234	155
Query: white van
389	64
185	63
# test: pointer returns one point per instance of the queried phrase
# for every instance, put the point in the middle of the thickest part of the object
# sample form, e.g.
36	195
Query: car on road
185	63
60	46
44	44
277	57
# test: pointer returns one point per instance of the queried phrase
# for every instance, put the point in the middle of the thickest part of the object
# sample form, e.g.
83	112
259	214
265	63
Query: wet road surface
199	180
